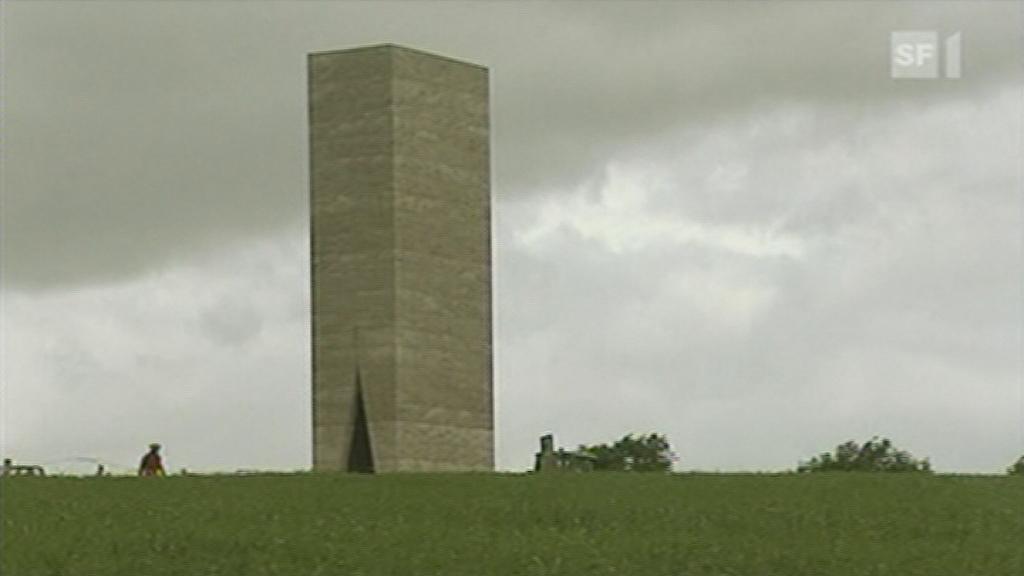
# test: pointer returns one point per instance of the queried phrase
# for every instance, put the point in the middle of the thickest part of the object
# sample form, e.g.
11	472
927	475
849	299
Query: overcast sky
724	222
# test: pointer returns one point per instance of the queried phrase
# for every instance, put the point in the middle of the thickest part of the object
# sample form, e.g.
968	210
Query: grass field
679	525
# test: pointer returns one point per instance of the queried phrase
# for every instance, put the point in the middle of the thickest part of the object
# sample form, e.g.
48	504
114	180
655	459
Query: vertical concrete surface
401	275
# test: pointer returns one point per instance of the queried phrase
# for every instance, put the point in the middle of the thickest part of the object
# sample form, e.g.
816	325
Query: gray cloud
101	372
895	308
138	140
231	322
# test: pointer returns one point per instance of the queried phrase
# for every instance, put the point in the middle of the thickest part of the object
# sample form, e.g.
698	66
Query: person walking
151	464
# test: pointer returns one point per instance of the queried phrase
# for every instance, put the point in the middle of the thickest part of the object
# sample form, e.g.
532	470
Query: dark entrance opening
360	454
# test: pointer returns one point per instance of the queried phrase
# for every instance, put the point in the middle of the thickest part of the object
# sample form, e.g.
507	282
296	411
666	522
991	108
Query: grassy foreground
412	525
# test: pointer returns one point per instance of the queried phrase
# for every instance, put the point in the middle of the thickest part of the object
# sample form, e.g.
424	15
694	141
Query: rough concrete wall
400	218
352	245
443	274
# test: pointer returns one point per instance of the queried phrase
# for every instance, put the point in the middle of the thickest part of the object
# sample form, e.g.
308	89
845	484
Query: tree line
652	453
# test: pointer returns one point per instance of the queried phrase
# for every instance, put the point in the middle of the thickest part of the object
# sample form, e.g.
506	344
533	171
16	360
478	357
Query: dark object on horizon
650	453
10	469
874	456
152	464
1017	468
550	460
100	470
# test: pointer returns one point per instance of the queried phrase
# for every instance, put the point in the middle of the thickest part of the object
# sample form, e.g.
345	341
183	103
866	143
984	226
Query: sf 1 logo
915	54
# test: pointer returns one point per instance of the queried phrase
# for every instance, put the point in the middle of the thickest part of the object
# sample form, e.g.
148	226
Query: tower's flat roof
390	46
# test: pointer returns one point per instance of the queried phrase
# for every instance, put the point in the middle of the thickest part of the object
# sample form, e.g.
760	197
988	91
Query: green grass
412	525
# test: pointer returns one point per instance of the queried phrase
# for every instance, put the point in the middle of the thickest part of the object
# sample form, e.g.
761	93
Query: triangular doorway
360	454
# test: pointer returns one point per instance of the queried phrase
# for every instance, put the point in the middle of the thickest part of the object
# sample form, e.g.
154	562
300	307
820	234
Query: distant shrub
650	453
1017	469
873	456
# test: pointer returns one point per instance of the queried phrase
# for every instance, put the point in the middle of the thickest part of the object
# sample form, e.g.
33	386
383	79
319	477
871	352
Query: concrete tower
401	261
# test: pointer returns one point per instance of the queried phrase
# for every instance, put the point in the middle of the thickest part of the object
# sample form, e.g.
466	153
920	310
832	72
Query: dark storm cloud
137	135
136	141
617	75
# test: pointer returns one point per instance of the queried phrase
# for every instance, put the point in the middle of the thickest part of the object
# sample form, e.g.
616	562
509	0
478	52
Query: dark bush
1017	468
873	456
650	453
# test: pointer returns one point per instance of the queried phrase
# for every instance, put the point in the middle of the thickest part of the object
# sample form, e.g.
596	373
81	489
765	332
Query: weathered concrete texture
400	219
